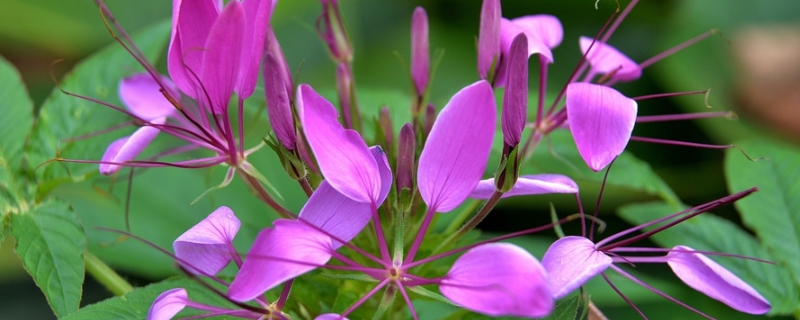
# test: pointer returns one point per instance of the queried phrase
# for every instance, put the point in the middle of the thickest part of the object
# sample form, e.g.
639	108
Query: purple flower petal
191	24
142	95
330	316
258	13
420	56
515	97
455	154
489	37
606	59
544	27
528	185
208	246
221	58
339	215
712	279
278	104
343	157
601	120
168	304
571	261
499	279
510	30
287	250
127	148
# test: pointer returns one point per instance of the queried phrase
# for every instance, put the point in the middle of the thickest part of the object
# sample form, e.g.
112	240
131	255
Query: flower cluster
384	192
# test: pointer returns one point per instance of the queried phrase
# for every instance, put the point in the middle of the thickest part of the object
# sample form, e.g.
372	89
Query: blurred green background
753	68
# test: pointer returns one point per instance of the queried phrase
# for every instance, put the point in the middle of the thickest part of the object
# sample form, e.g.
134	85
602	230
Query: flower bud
420	55
331	28
489	39
405	158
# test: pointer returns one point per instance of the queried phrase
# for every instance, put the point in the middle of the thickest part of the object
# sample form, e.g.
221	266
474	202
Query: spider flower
573	260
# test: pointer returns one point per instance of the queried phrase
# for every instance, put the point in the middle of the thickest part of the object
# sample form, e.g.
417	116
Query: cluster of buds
439	161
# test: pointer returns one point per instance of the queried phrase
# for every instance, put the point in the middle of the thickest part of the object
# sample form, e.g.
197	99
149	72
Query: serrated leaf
566	309
15	123
136	304
51	243
627	173
774	211
63	117
711	233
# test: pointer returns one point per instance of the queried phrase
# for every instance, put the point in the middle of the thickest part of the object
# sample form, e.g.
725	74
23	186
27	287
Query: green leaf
65	117
136	304
628	173
566	309
711	233
15	123
51	243
774	211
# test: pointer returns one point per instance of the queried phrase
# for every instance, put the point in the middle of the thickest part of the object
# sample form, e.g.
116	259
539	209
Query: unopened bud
330	27
272	46
387	129
420	55
278	105
344	86
430	118
406	152
515	97
489	39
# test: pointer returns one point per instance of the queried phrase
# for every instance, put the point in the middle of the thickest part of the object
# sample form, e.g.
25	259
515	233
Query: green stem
462	216
472	223
106	276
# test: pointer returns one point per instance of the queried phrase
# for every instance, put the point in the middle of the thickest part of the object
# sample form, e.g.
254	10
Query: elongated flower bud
489	38
405	158
278	108
420	54
331	28
344	85
272	46
385	121
430	118
515	98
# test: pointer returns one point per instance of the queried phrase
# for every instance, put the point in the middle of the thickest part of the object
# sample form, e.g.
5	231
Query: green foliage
628	173
773	212
50	243
711	233
134	305
15	123
64	117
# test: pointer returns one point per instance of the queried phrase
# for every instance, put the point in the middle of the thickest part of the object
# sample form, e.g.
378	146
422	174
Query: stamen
685	116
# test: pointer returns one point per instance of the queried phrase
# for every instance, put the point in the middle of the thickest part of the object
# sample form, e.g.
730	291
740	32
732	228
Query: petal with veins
142	95
127	148
339	215
606	59
342	155
221	58
601	120
289	249
168	304
528	185
571	261
191	23
457	149
206	247
499	279
712	279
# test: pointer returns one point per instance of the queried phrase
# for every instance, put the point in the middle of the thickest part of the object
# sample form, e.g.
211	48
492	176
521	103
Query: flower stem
106	276
472	223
